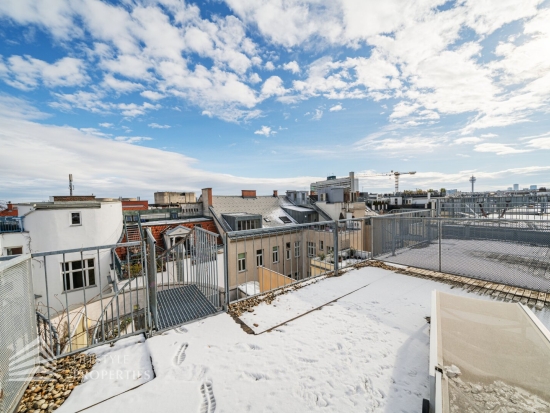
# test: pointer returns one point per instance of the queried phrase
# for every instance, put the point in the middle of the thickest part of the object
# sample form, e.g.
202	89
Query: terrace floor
365	352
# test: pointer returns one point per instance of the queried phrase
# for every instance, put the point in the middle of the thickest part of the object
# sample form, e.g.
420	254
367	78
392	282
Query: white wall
13	239
51	230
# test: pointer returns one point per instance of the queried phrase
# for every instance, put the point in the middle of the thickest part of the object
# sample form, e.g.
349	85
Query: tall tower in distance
473	180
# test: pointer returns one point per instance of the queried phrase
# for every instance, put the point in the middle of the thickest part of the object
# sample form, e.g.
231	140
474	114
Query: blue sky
137	96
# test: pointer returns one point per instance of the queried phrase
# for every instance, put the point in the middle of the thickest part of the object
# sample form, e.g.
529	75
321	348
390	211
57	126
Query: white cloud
292	67
106	125
266	131
152	95
417	55
467	140
539	143
499	148
273	87
119	85
254	78
15	108
37	157
336	108
26	73
157	126
132	139
317	115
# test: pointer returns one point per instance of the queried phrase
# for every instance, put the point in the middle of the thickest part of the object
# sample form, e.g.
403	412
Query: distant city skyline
242	94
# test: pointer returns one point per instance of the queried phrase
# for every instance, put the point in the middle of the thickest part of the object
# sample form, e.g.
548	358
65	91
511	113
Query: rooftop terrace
358	342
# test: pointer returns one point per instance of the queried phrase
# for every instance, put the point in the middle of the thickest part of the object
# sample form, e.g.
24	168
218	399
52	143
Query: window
297	249
75	218
311	249
14	250
259	258
288	250
267	220
285	220
241	261
173	215
77	277
275	255
247	224
330	250
321	245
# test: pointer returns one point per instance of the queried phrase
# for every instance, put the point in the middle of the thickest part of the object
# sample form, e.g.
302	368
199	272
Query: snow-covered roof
367	351
266	206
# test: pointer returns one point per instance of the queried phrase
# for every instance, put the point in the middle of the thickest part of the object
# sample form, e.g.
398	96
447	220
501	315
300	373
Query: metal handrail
127	287
53	335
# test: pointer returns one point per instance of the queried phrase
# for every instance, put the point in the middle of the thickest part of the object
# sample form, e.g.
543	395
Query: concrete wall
164	198
270	279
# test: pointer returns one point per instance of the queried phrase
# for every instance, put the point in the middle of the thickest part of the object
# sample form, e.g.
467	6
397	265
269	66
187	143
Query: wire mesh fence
516	253
18	331
515	207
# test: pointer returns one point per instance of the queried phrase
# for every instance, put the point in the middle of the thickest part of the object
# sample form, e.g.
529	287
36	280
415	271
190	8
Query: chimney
207	197
249	193
275	193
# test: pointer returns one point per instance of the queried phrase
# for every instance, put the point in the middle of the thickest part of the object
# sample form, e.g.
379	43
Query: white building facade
73	278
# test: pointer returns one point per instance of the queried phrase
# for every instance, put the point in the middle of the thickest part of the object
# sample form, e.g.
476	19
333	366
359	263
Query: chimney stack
275	193
248	193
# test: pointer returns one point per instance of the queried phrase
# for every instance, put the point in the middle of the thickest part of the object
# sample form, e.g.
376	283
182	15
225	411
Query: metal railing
515	253
76	302
188	272
11	224
48	334
534	208
267	259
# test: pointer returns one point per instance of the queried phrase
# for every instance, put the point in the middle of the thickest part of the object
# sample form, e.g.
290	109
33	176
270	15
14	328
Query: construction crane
396	175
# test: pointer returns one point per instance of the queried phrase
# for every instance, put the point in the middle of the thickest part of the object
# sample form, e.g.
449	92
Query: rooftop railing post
152	277
336	249
439	227
226	270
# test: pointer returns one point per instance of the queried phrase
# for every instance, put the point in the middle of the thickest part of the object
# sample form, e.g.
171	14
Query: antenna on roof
71	186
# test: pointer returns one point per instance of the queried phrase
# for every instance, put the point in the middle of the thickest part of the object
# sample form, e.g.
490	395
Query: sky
138	96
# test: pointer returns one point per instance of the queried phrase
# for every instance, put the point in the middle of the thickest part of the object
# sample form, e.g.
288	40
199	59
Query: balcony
11	224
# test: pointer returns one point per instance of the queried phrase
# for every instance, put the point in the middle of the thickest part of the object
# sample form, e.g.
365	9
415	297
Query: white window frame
310	249
79	218
321	245
296	249
287	250
260	258
241	262
275	254
85	272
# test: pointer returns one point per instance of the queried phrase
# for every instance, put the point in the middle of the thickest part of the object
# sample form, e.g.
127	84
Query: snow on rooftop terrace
367	351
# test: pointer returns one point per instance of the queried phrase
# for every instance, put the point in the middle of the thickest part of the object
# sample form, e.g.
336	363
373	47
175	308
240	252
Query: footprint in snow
208	404
179	357
181	330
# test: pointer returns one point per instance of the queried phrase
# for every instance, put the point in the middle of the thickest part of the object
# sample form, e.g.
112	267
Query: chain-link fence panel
516	253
